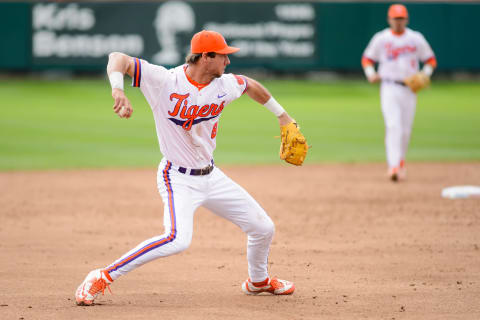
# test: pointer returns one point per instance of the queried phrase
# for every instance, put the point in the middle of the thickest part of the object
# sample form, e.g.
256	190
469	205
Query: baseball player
187	102
398	51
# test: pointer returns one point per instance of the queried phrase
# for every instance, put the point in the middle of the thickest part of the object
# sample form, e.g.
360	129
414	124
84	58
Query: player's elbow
366	62
114	54
432	62
117	56
118	61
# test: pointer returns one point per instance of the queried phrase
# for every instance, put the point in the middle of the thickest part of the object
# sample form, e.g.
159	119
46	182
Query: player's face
218	64
398	24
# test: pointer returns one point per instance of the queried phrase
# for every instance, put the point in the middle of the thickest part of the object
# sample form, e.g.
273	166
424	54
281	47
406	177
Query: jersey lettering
191	113
181	98
393	53
214	131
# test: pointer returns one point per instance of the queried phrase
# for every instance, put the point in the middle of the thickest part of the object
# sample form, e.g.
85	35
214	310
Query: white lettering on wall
49	44
71	17
264	49
295	12
291	36
60	31
266	30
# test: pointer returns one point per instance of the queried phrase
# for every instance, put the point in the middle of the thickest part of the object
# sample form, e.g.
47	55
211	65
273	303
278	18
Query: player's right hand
121	100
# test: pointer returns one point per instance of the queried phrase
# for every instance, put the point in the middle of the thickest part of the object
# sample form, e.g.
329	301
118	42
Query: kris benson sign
81	35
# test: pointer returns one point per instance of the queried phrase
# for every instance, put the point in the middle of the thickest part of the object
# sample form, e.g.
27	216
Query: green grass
70	124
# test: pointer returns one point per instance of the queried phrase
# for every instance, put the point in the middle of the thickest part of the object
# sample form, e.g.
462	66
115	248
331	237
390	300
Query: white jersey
398	55
186	114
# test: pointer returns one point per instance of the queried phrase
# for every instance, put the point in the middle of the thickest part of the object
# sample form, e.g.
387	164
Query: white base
459	192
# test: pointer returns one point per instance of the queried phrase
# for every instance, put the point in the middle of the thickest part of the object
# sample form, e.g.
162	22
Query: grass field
70	124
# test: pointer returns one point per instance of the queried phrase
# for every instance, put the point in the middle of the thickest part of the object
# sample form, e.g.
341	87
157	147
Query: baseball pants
398	108
182	194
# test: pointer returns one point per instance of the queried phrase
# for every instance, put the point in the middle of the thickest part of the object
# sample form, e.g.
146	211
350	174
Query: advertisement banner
273	35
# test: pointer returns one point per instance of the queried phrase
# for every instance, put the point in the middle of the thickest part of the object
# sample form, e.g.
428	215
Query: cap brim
227	50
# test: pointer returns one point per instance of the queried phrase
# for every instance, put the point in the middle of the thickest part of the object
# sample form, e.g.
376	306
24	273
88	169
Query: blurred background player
398	51
187	102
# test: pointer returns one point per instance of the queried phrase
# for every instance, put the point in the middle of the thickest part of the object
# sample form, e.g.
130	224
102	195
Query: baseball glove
293	147
417	81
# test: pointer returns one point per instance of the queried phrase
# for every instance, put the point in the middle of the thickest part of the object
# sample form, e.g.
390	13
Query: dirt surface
356	245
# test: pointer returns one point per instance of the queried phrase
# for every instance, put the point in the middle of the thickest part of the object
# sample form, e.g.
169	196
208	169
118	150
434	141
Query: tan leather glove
293	147
417	81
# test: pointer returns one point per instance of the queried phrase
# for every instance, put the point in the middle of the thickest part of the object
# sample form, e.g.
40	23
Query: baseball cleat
393	174
95	282
273	286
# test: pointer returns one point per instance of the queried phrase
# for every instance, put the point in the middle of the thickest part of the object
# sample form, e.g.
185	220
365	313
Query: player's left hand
122	105
293	147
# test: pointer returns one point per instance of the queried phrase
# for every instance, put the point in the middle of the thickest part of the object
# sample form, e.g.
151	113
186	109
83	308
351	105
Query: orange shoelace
276	284
98	286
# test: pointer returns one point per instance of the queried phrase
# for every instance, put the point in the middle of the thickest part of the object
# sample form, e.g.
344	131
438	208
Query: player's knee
393	127
181	246
270	228
181	242
266	229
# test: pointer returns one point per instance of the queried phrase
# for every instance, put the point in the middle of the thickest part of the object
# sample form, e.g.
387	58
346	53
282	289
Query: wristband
369	71
116	80
427	69
274	106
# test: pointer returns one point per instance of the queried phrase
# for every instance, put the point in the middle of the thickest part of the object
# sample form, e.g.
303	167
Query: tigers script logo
393	53
192	114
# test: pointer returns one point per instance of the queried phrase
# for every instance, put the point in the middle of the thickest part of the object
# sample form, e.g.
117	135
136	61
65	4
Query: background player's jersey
398	55
186	117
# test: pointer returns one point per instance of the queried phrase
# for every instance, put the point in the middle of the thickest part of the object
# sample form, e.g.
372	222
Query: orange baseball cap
210	41
397	11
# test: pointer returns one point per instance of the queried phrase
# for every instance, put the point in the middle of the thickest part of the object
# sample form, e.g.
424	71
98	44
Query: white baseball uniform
398	57
186	117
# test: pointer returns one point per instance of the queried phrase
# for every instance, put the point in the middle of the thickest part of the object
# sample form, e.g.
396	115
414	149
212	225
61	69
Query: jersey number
413	62
214	130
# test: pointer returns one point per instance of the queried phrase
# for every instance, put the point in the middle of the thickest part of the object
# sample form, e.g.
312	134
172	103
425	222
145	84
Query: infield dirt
356	245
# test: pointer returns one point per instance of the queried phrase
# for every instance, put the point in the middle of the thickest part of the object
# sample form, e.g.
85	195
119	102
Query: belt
197	172
395	81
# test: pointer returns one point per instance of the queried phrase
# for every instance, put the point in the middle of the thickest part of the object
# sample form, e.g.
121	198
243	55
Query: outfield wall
281	36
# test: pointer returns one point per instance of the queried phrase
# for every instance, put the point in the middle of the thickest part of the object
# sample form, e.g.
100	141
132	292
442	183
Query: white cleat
273	286
95	282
